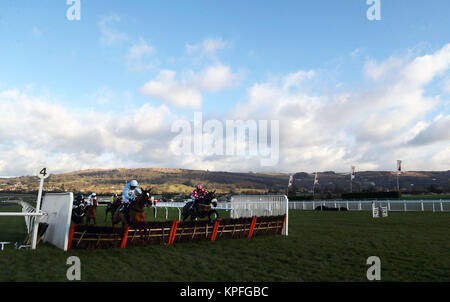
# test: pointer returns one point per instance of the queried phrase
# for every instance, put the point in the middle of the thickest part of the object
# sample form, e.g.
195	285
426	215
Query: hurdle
376	211
174	232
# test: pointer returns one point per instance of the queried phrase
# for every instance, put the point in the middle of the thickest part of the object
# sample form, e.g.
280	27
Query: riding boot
122	208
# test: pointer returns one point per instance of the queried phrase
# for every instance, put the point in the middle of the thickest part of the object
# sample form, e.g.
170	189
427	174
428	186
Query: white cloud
369	128
187	92
446	85
208	48
297	78
356	52
376	70
108	34
423	69
166	88
437	131
215	78
140	56
36	131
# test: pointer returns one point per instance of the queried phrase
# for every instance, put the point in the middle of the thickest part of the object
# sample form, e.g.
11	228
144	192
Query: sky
105	91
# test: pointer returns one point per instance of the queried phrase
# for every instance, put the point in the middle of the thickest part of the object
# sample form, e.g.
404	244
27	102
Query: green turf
321	246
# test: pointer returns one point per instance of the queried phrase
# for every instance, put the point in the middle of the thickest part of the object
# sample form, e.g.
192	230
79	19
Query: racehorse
91	212
204	207
78	213
136	212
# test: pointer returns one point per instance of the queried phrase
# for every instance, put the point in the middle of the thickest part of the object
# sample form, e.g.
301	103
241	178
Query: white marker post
43	174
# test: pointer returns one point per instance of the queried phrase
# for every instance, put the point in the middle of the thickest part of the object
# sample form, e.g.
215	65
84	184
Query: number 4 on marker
43	173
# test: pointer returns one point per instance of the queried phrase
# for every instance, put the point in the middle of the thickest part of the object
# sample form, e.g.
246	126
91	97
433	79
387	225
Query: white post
287	217
404	201
389	205
421	206
433	206
42	175
2	244
442	208
360	208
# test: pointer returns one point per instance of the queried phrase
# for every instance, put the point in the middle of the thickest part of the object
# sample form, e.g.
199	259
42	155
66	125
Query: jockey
129	193
111	203
78	200
78	208
90	200
195	196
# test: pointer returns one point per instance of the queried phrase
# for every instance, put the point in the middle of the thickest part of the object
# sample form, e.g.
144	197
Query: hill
183	181
162	180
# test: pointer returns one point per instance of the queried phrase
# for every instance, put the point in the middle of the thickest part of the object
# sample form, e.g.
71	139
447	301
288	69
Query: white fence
27	211
260	205
55	211
366	205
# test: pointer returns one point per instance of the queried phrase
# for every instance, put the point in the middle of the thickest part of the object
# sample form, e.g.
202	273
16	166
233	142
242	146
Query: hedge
369	195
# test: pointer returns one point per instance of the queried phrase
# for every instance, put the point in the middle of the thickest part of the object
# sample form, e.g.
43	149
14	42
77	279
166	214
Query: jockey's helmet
134	184
94	195
199	187
80	196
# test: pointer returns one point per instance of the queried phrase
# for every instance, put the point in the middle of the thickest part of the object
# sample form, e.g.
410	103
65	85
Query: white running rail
366	205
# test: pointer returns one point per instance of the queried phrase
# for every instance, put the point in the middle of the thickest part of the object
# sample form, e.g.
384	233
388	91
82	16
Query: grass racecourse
321	246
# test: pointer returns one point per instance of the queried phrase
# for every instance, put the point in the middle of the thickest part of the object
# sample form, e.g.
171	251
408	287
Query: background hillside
183	181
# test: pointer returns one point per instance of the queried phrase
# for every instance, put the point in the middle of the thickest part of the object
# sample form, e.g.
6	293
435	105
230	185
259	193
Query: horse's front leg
209	218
